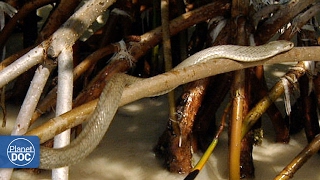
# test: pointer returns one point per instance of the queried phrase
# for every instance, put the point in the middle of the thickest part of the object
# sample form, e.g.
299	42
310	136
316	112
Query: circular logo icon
20	152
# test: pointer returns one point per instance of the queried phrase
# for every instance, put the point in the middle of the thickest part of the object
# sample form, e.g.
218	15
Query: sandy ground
126	150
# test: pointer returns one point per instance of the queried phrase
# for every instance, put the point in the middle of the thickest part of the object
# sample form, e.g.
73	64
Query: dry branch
22	13
63	38
49	101
300	159
283	16
255	113
61	13
169	80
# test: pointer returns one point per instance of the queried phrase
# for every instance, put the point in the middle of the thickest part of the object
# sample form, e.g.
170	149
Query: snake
99	121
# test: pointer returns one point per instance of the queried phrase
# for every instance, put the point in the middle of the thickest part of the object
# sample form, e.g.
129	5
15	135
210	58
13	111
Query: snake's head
282	45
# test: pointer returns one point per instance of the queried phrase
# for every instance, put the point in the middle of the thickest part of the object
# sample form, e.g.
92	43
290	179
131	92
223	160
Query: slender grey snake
107	106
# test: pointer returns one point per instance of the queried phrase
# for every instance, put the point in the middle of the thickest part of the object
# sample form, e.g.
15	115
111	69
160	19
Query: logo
19	152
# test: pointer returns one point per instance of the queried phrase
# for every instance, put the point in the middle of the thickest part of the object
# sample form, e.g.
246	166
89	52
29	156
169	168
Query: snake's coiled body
109	100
